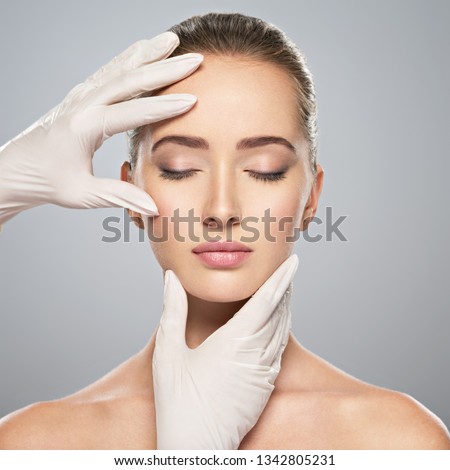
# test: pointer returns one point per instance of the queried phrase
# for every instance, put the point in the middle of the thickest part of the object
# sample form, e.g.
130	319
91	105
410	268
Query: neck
204	318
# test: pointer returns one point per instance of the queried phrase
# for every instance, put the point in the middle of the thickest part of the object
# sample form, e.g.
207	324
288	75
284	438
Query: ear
313	201
126	175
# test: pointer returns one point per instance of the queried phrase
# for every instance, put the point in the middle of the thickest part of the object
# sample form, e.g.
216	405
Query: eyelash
176	175
179	175
269	176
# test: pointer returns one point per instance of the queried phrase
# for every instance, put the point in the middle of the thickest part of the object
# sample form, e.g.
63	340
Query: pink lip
222	254
220	246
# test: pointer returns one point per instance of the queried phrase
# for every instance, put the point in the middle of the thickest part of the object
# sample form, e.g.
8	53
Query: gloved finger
264	346
276	330
273	353
128	115
257	311
175	310
104	192
149	77
141	52
274	349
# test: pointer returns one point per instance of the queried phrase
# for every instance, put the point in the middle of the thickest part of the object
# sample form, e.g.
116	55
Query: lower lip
223	258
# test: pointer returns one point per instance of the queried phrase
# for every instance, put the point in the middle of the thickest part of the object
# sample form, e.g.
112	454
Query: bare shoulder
388	419
322	407
66	424
36	426
365	416
115	412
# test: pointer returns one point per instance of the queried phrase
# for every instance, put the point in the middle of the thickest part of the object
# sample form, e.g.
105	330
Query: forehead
236	97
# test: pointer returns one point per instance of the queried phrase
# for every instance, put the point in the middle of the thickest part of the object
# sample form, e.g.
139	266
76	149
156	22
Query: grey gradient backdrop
74	307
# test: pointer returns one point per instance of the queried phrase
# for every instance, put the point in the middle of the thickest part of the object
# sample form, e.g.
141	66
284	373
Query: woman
247	145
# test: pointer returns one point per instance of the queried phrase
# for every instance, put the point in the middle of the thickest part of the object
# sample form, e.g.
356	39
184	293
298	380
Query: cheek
169	232
279	212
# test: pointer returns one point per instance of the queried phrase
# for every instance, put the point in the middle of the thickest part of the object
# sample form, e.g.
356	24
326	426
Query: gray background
74	307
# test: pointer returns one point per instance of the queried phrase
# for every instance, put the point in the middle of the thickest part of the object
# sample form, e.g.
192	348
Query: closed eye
179	175
176	175
268	176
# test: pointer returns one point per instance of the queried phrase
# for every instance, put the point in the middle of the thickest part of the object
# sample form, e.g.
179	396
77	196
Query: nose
221	209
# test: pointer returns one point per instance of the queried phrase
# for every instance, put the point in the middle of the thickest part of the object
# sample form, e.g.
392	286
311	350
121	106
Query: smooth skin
314	404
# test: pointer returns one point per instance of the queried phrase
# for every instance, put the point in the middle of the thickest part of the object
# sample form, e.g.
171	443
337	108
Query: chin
221	298
222	292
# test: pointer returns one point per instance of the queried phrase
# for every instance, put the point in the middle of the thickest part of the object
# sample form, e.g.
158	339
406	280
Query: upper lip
221	246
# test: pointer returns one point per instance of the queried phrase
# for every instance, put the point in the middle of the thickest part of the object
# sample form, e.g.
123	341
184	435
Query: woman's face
222	196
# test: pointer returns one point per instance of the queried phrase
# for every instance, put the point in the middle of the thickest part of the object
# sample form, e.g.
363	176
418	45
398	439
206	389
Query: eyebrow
244	144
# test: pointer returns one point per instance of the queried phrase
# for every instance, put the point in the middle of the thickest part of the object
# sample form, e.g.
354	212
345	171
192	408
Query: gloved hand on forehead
51	161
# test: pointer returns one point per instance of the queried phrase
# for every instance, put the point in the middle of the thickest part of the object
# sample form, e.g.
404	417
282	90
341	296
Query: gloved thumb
175	310
104	192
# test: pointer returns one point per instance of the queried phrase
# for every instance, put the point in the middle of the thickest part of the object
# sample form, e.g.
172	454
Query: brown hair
230	34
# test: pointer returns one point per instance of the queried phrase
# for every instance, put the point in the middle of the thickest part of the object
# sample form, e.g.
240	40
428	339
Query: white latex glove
51	161
211	396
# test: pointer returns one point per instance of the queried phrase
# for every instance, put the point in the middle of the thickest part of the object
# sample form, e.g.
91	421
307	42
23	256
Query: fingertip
150	212
291	265
163	42
295	261
171	280
166	280
186	98
145	207
167	106
171	37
